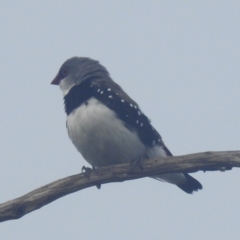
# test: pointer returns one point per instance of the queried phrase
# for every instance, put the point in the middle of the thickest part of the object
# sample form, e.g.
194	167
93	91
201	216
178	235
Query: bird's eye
65	72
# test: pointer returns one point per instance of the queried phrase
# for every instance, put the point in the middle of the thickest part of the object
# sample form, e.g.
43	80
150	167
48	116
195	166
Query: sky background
178	59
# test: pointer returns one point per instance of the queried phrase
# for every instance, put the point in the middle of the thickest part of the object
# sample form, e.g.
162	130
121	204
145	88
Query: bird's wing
128	111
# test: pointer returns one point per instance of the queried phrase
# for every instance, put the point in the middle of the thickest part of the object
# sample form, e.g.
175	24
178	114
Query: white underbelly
102	138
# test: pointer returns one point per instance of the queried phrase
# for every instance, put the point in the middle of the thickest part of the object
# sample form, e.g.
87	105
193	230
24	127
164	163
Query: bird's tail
183	180
191	185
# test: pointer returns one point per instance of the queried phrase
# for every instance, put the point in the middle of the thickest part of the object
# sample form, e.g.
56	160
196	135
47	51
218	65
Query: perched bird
106	126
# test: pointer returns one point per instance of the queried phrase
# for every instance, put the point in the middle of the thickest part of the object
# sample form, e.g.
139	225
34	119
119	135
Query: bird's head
77	69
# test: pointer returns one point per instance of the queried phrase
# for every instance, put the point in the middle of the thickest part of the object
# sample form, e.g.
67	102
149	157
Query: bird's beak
56	80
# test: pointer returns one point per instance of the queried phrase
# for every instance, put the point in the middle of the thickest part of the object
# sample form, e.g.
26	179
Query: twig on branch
208	161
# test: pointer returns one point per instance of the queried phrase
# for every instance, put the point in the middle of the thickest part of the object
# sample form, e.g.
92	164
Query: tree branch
208	161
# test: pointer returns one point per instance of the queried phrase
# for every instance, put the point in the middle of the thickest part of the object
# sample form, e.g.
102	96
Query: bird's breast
101	137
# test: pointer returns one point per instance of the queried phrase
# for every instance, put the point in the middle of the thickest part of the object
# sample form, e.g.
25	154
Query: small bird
106	126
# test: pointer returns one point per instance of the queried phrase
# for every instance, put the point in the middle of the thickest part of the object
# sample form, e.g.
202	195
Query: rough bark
208	161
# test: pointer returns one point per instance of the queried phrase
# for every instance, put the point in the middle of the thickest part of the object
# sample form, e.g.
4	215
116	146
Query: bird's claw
98	186
86	171
136	163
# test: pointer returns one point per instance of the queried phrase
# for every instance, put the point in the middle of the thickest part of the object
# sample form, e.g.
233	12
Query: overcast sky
178	59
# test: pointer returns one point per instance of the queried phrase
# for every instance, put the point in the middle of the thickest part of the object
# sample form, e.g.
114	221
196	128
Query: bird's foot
136	163
86	171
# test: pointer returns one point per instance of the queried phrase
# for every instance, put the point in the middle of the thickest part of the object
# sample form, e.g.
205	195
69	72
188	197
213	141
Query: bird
106	125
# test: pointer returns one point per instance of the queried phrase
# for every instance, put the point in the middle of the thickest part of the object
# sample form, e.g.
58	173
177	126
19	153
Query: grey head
75	70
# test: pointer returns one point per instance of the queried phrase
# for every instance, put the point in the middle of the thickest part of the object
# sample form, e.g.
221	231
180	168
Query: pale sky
178	59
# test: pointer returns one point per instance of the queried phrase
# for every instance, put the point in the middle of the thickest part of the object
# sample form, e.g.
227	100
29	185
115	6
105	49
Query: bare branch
208	161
